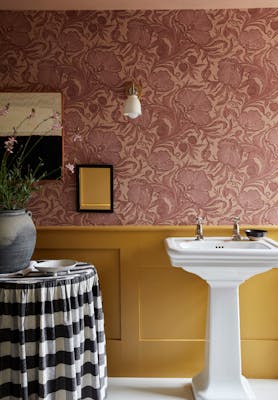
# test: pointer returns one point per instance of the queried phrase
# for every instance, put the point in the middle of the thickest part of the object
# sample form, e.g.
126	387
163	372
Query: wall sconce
133	106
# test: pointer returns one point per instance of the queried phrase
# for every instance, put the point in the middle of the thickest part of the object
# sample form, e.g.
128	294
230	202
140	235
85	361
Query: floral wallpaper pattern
207	142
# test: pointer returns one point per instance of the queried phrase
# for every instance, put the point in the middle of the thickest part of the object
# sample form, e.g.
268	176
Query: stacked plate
55	266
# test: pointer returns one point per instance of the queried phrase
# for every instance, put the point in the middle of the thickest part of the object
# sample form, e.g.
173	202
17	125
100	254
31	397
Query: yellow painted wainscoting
155	314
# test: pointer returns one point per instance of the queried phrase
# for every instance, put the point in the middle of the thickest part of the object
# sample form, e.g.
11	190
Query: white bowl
55	266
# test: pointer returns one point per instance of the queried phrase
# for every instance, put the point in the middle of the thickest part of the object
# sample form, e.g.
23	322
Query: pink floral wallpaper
207	142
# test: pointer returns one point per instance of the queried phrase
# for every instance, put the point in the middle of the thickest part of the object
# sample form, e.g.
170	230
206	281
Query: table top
32	277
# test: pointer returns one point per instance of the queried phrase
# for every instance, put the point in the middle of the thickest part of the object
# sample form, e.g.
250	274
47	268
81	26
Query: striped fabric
52	341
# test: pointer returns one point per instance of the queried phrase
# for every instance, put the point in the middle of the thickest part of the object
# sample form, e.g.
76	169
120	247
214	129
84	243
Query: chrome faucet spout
199	228
236	229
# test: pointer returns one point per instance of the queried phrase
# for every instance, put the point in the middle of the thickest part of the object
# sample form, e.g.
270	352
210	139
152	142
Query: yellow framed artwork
94	188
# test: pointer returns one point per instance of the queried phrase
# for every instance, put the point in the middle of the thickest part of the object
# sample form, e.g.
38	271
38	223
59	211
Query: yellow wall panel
165	294
260	359
171	358
259	307
155	314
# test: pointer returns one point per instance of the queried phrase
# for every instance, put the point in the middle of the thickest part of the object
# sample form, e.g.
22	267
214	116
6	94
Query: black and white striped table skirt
52	341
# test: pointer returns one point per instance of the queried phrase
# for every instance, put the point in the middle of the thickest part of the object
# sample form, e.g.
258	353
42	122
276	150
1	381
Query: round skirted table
52	340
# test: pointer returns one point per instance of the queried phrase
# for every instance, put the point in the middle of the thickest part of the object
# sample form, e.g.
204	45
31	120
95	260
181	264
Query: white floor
175	389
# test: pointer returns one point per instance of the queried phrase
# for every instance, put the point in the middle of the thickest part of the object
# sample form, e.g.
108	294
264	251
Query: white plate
55	266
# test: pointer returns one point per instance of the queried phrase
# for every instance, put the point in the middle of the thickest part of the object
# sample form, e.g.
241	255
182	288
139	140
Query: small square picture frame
94	188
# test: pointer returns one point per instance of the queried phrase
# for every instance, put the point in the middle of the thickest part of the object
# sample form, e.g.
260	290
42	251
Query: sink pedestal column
221	378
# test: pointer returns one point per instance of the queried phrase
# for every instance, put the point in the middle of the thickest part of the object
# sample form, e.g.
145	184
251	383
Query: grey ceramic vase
17	240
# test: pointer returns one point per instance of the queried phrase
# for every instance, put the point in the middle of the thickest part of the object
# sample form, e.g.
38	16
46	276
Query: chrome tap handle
236	229
199	228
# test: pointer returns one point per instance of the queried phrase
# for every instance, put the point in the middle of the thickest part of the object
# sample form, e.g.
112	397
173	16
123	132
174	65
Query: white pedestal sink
224	264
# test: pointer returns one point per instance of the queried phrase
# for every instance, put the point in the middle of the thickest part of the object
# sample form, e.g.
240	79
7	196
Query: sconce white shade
132	106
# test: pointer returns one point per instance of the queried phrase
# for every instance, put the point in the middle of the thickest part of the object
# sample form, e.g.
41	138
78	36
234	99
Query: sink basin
224	264
217	243
222	252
